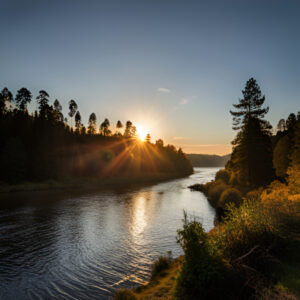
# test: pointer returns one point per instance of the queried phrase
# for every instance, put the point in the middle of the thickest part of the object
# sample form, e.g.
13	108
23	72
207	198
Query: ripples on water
58	245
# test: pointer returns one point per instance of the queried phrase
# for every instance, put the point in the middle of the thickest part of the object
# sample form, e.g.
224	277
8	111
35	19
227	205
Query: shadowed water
58	245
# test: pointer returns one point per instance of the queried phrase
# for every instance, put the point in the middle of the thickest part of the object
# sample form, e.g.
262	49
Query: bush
202	270
230	195
244	228
223	175
160	266
214	192
124	294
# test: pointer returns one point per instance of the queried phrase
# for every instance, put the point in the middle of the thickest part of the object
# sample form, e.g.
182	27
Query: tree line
42	145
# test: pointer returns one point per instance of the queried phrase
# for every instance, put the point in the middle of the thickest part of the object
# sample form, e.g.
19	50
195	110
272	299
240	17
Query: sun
141	132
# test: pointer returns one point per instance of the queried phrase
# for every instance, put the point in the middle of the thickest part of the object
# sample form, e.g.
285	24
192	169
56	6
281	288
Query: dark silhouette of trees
23	98
43	101
119	127
104	128
59	117
291	121
281	126
77	122
128	129
6	97
251	158
92	124
72	109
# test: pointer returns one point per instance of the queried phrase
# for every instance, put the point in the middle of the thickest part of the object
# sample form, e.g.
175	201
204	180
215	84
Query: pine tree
23	97
252	151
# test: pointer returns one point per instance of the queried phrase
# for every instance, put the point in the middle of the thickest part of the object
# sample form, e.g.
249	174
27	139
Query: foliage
215	191
160	266
251	158
230	195
281	156
223	175
202	271
124	294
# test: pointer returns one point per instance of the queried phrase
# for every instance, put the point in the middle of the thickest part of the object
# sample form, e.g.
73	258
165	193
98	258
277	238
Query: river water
65	245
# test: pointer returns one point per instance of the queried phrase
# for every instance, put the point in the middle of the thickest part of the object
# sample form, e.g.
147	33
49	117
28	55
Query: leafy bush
230	195
202	270
223	175
214	192
124	294
244	228
160	266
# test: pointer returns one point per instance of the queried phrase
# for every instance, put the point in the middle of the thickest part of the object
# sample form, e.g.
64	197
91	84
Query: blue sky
174	67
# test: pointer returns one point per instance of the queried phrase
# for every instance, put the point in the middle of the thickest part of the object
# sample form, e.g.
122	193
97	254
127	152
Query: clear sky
174	67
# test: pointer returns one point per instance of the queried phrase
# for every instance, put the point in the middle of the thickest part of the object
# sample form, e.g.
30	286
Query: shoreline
88	184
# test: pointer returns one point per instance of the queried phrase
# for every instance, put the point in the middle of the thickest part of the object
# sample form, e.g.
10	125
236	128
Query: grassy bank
66	183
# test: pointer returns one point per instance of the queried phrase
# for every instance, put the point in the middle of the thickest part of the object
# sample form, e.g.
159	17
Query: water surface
61	245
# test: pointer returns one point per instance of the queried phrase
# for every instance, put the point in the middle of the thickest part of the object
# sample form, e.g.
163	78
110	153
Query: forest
41	145
253	250
208	160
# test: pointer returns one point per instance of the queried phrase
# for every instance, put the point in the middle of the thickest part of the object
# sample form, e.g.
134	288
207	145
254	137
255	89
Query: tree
281	155
5	97
23	97
43	101
128	129
252	152
92	124
59	117
281	126
159	143
291	121
72	109
148	138
104	128
77	122
119	127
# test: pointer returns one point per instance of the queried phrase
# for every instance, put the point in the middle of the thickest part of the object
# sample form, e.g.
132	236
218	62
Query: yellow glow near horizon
141	132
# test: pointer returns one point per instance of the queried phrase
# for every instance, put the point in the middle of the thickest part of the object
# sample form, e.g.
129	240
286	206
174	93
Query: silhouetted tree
92	124
104	128
128	129
281	126
59	117
5	98
291	121
281	155
22	98
252	151
77	122
119	127
72	109
43	101
159	143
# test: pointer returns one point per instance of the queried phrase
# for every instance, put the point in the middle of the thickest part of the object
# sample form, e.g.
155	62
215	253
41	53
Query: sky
172	67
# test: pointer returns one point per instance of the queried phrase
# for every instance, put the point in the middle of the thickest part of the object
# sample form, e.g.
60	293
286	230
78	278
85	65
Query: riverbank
67	183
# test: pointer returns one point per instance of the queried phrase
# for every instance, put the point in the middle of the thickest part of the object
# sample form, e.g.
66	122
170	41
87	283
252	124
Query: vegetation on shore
208	160
40	147
254	250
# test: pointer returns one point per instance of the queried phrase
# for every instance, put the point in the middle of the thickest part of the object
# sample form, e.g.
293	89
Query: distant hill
207	160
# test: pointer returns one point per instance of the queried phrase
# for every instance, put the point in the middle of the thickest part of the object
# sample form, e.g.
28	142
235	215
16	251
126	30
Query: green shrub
124	294
160	266
214	192
202	270
230	195
223	175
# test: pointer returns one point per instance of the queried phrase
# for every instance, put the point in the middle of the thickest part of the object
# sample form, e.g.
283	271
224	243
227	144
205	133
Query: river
67	245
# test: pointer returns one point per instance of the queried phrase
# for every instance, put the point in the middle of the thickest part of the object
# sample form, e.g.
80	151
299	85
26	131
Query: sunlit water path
58	245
